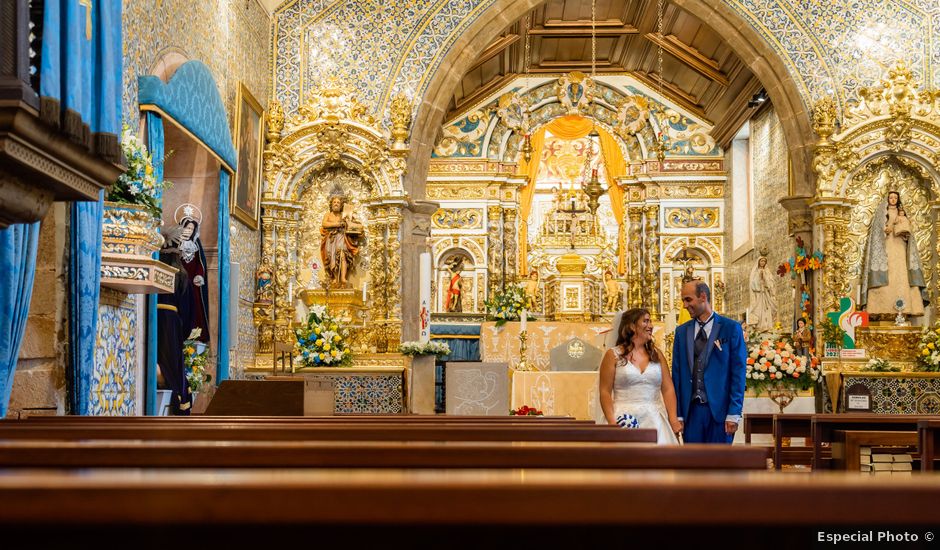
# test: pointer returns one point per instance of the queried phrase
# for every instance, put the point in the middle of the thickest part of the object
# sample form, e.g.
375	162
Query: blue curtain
224	265
155	143
81	74
463	340
18	244
84	294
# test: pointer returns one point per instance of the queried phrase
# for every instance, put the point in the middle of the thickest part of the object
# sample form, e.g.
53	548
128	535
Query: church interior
267	256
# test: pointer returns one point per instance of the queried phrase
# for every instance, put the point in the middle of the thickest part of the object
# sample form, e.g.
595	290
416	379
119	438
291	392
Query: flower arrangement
321	341
928	350
879	365
431	348
507	305
526	410
800	264
137	185
195	357
773	365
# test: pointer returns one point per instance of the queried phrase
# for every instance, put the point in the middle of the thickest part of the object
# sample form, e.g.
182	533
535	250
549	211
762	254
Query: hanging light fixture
660	144
527	136
592	187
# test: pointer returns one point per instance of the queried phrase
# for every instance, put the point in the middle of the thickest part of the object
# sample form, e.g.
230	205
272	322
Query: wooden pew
263	508
757	423
359	454
277	431
847	445
389	419
824	426
927	434
793	425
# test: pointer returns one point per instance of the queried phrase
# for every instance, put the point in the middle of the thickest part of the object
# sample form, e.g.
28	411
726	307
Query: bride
632	381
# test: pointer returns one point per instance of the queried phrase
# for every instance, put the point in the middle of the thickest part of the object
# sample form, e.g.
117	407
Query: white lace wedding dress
640	394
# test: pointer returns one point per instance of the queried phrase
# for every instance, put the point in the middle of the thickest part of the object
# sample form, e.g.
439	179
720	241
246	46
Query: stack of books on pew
887	460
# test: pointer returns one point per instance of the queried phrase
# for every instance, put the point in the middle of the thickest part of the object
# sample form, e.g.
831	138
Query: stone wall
39	382
769	173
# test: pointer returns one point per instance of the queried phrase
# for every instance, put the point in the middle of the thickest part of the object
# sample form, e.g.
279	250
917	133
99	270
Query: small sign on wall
858	398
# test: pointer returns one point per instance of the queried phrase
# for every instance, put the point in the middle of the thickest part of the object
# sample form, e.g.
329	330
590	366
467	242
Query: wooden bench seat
347	454
824	427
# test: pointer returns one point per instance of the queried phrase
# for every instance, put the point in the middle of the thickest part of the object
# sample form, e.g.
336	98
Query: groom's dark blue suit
720	394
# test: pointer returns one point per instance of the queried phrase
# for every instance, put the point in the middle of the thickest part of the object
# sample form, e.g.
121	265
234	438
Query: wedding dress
640	394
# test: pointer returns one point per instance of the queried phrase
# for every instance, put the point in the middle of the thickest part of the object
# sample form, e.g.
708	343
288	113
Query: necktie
701	339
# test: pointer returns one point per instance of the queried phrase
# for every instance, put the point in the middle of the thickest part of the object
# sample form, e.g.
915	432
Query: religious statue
892	276
454	288
762	307
532	288
193	257
612	288
802	338
174	325
264	290
340	244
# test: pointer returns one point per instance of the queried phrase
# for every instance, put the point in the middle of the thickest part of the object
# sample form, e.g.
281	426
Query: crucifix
574	211
87	4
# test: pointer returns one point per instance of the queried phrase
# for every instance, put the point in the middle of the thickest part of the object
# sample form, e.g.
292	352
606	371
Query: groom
708	367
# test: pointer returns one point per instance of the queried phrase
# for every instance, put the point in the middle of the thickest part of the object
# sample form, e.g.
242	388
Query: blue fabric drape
81	73
18	244
224	266
84	294
461	349
155	143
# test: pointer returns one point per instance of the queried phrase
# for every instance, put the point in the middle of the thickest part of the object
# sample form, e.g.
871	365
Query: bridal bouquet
321	341
773	365
507	305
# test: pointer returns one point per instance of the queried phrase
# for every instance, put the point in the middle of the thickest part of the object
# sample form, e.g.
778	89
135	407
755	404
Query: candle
523	319
364	286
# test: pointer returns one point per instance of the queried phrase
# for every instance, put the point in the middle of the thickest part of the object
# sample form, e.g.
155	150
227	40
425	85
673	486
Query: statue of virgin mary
892	276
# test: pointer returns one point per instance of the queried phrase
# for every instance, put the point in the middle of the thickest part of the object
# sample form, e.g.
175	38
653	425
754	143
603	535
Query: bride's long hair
627	331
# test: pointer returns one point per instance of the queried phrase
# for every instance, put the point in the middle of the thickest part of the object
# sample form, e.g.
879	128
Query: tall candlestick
424	297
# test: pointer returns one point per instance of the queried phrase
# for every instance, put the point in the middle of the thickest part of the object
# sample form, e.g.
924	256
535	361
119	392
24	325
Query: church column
495	250
634	275
832	216
416	239
935	208
509	240
800	223
378	276
651	249
394	296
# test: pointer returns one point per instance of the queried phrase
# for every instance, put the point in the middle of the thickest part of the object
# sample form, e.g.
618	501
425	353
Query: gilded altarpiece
888	140
332	148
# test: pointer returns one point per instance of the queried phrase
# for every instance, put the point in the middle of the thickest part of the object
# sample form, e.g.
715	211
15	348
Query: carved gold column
279	238
495	247
832	217
935	208
652	252
378	276
634	275
509	242
394	282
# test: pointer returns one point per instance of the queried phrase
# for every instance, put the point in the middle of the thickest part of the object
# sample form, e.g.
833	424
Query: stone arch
752	48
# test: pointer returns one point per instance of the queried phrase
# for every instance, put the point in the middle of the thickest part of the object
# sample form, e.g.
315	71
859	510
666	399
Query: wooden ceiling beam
676	95
690	56
580	31
494	49
464	104
736	114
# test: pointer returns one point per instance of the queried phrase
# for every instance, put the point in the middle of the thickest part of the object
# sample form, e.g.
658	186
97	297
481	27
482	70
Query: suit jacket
725	368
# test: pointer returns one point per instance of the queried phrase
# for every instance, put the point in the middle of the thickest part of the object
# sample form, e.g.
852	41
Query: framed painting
249	143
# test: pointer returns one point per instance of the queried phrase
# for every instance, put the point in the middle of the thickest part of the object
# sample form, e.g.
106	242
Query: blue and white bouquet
627	420
138	184
321	341
431	348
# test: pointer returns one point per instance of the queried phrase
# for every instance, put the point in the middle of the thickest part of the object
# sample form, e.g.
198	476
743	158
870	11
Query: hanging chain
525	62
593	38
659	29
